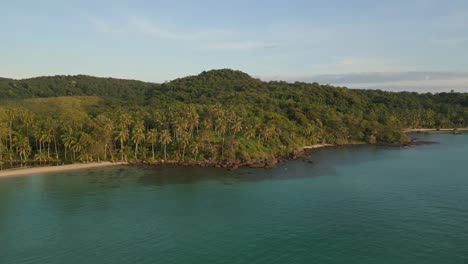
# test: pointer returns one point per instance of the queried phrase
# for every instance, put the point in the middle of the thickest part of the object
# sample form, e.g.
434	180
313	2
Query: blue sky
295	39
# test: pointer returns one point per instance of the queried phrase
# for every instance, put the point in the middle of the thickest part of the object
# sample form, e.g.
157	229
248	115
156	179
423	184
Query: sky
302	40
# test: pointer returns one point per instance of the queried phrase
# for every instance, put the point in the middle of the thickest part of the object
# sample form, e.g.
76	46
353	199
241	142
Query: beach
317	146
48	169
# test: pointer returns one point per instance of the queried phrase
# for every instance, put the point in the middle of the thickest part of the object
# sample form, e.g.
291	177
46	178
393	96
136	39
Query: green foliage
217	115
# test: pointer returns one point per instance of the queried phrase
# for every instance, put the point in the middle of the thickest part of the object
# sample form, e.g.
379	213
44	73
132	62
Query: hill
217	115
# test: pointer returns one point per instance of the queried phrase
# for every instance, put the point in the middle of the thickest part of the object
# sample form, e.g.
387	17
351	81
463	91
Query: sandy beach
409	130
48	169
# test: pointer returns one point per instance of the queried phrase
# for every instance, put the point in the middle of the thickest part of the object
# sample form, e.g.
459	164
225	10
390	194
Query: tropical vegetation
214	116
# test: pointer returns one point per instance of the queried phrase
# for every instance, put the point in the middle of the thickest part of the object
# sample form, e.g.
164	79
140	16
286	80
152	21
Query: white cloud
241	45
393	81
363	64
205	38
461	83
149	28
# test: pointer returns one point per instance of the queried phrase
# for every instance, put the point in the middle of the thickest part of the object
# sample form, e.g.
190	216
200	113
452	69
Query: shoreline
267	162
59	168
318	146
420	130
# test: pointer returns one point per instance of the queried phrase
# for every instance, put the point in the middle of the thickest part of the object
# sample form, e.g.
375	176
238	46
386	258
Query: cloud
389	77
241	45
363	64
149	28
393	81
205	38
418	85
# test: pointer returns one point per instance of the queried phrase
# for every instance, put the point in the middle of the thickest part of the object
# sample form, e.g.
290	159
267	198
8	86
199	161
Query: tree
152	137
165	139
216	115
4	132
11	115
196	149
123	133
22	147
104	129
250	132
122	136
47	138
68	140
27	118
184	142
138	135
237	127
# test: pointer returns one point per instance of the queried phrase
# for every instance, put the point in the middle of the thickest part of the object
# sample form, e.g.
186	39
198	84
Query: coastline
318	146
267	162
59	168
262	163
420	130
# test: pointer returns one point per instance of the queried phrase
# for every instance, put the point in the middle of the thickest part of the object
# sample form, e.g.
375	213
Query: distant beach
38	170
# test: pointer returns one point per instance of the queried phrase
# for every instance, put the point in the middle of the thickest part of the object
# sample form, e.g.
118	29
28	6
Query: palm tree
267	133
40	156
68	140
184	142
221	128
3	133
47	138
138	135
193	120
104	130
152	137
165	139
37	133
237	127
22	147
108	131
11	115
125	120
250	132
196	149
83	146
28	119
122	136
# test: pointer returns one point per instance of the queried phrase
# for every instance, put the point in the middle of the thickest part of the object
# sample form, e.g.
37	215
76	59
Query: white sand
317	146
47	169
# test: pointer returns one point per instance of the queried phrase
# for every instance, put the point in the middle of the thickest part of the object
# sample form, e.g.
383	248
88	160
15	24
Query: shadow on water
108	179
321	162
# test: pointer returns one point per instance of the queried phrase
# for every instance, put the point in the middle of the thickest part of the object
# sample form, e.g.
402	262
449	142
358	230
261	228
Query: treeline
217	115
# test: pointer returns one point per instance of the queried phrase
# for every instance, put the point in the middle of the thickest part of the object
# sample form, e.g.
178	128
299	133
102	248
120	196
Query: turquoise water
346	205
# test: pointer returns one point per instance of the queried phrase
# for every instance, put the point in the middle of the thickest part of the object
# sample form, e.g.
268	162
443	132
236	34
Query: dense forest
215	116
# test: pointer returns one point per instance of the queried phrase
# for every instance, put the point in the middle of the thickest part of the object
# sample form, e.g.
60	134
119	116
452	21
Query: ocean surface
359	204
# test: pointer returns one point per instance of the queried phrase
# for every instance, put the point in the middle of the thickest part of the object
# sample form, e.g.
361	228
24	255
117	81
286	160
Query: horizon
297	41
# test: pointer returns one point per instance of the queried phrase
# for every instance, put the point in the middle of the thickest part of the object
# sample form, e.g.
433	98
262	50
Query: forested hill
216	115
54	86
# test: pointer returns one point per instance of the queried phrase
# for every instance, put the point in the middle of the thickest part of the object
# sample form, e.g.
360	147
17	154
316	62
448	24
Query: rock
297	153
